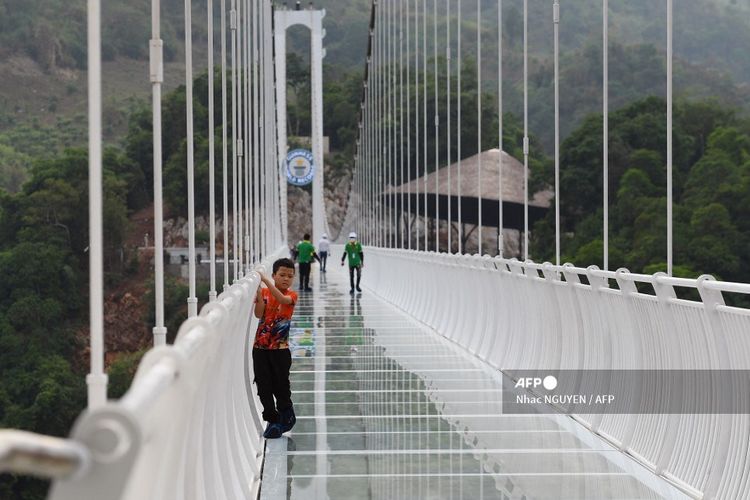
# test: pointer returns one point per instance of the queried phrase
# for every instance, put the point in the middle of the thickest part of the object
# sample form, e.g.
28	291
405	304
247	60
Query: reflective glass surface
388	409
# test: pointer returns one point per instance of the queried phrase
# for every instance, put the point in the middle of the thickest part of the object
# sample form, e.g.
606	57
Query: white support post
211	160
479	119
437	136
448	107
669	135
233	27
241	15
556	21
256	136
96	380
424	121
525	130
224	146
157	77
500	239
605	125
192	300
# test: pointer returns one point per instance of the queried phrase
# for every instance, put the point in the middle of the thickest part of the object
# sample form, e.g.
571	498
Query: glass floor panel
389	410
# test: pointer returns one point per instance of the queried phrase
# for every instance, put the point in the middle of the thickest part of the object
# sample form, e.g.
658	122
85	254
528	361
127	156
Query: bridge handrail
188	400
526	315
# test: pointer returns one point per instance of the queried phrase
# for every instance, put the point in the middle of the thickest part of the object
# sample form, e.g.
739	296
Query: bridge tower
313	19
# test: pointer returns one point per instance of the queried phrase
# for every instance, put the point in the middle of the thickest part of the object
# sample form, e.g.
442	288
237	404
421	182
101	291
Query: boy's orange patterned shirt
273	328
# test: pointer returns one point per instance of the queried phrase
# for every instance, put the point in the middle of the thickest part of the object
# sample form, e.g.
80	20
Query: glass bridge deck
387	409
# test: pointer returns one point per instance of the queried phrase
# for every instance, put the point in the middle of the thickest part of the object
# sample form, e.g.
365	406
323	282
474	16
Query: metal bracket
156	61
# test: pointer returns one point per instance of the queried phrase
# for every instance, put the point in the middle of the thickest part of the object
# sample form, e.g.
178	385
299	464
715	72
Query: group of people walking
304	253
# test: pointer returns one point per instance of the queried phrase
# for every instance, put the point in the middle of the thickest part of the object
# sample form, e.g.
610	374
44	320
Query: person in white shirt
324	246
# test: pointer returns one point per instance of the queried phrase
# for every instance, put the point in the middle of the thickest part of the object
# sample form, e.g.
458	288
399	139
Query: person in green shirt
305	255
353	251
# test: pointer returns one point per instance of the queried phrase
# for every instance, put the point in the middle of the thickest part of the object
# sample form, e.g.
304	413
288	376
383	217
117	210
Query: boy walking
274	306
305	255
353	251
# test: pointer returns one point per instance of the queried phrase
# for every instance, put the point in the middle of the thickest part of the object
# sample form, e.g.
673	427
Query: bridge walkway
389	409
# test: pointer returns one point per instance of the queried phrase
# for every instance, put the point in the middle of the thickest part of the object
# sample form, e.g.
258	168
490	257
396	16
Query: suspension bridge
412	388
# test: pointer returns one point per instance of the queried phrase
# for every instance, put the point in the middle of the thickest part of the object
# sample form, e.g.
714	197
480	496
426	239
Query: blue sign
299	167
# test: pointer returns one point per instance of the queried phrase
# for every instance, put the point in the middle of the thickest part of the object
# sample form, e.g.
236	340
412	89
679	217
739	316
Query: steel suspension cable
192	300
256	136
233	26
525	130
211	159
417	134
401	117
424	121
246	135
670	227
479	121
458	132
241	15
391	120
556	21
605	126
157	77
437	140
449	157
500	239
224	148
96	380
408	129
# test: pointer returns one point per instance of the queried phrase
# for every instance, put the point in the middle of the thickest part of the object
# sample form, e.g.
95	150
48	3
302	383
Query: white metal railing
189	427
515	315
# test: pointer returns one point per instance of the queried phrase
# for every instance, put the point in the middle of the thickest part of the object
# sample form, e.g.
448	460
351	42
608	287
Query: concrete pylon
313	19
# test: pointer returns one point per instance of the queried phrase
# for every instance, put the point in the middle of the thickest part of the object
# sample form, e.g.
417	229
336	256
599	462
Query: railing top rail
706	282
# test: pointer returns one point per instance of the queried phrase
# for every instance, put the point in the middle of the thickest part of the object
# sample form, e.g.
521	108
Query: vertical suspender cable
556	21
256	144
387	57
424	116
211	159
408	129
241	15
437	125
233	26
246	140
392	120
192	300
458	131
400	212
448	114
157	77
378	126
401	117
605	126
96	380
525	130
479	120
380	143
224	152
500	240
270	163
669	135
261	128
416	124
